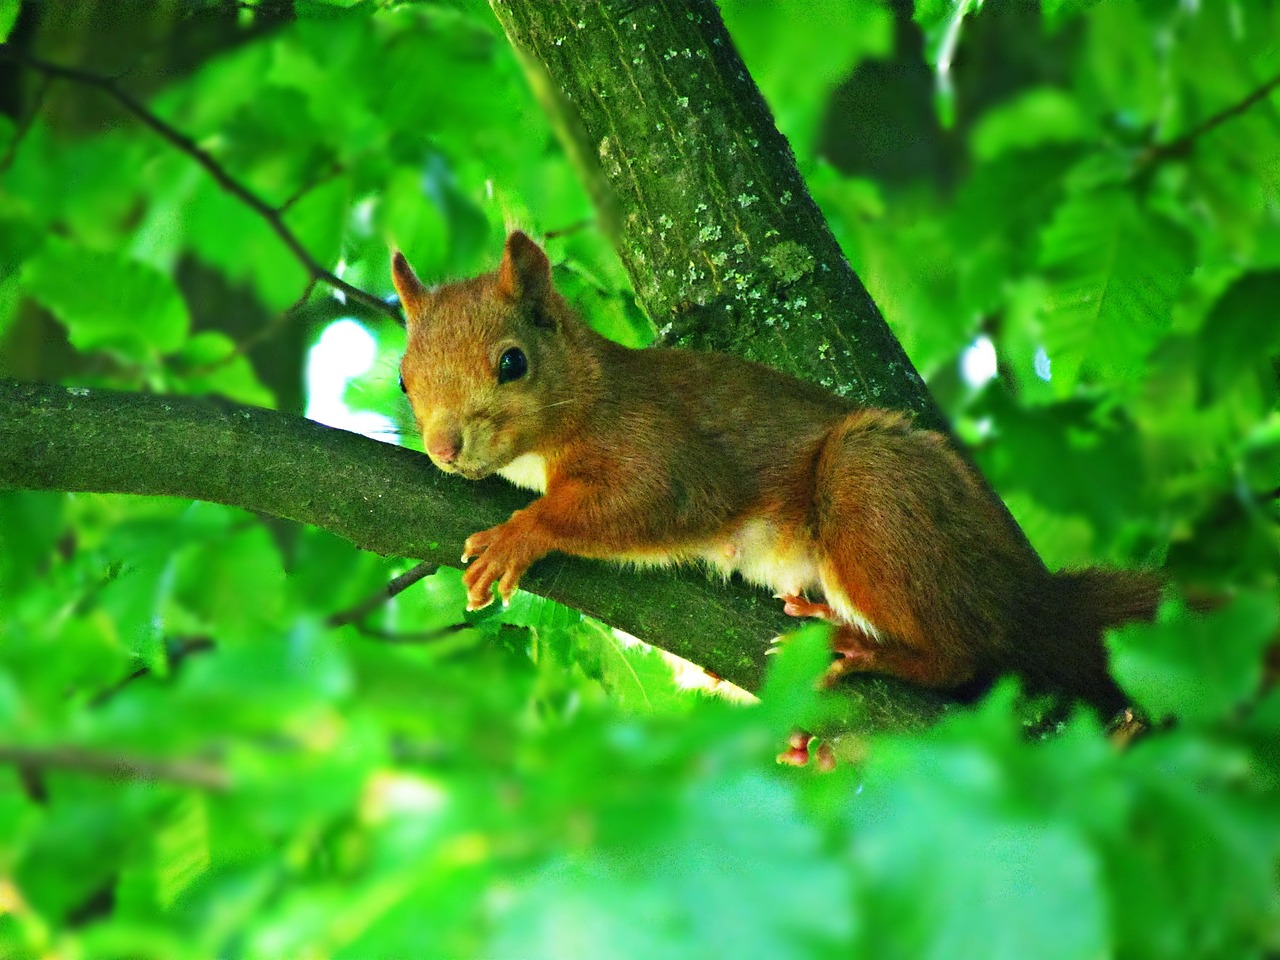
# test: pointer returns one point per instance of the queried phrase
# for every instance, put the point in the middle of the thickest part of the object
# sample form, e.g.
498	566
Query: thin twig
333	170
1183	144
176	651
192	773
261	335
572	228
188	146
409	637
397	586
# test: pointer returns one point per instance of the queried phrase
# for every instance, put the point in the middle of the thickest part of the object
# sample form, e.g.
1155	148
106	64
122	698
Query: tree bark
381	498
725	247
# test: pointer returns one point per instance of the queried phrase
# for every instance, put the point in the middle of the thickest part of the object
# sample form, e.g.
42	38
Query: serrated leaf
1196	667
531	610
1114	272
635	676
107	301
170	857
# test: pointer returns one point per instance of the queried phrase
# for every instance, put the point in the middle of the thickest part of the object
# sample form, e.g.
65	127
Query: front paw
498	555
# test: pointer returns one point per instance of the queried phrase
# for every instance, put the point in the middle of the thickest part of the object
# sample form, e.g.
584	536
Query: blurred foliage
196	761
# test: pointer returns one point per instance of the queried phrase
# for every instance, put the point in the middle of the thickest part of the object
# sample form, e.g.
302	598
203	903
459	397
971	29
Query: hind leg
860	652
897	531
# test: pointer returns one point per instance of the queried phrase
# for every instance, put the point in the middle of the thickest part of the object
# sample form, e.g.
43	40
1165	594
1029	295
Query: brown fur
662	456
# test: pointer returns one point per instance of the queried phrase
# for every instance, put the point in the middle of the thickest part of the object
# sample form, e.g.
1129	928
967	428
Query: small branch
261	335
191	773
416	637
272	216
333	170
1182	145
572	228
176	651
397	586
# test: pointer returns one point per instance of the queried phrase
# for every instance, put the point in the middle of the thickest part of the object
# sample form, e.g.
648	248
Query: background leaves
199	757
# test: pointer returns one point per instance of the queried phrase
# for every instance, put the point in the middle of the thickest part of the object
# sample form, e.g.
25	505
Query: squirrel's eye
512	365
403	388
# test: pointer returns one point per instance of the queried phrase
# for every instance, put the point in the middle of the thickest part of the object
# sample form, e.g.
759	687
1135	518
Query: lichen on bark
724	244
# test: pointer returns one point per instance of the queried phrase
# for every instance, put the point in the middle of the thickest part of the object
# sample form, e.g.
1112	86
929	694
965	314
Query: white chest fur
529	470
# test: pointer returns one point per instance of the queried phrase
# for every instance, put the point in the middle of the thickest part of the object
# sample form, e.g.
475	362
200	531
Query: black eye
512	365
403	388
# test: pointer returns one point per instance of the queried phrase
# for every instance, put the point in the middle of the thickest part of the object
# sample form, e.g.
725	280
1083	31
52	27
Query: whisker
548	406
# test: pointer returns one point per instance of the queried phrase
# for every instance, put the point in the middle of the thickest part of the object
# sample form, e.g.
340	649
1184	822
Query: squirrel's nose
445	447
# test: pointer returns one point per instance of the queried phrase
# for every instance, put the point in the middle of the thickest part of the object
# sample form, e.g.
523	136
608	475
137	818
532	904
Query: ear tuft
525	273
410	289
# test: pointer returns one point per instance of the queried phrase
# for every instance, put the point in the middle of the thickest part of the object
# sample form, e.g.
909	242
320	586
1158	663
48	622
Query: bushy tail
1082	604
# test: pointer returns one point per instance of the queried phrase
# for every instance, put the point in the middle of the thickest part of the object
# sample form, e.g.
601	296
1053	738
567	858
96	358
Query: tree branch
192	773
272	216
382	498
1182	145
397	586
726	248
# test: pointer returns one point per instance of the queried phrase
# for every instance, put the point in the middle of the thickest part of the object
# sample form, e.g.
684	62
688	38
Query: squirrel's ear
412	293
525	273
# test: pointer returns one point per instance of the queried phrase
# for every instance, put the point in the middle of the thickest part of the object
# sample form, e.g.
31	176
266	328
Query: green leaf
734	847
1240	334
235	584
169	859
634	675
228	235
953	832
8	17
790	695
318	219
19	239
1057	12
1196	667
413	223
1042	115
210	362
1114	273
30	524
830	37
107	301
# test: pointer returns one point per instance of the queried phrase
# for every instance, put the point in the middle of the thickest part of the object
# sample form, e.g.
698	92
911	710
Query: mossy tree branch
381	498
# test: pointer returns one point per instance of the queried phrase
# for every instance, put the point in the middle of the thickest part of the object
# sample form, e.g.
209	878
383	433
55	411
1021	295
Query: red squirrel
661	456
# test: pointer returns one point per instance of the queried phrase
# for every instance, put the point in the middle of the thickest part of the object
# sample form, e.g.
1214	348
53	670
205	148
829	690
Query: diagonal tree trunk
725	247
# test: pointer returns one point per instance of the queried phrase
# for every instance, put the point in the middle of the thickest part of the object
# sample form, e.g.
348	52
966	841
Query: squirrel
660	455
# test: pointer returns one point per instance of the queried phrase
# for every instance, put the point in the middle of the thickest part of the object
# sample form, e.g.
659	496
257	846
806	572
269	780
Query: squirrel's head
486	365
